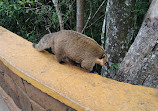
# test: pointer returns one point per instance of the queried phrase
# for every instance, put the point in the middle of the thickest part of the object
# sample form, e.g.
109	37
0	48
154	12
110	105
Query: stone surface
41	98
9	101
3	105
36	107
26	96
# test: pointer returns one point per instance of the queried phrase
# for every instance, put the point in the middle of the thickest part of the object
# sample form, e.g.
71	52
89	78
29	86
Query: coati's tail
44	43
38	47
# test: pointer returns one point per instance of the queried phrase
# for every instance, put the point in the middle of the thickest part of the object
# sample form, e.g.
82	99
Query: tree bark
80	15
55	2
119	30
140	66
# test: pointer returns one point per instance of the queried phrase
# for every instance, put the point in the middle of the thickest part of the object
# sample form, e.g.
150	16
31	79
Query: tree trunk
80	15
140	66
103	32
119	30
55	2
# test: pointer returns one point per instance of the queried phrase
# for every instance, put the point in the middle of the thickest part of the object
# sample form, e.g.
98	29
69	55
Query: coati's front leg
60	58
88	64
73	62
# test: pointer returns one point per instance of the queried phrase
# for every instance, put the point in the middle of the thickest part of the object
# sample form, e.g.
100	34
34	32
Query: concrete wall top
70	84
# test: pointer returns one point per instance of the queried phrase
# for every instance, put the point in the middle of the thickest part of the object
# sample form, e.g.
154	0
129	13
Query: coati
68	45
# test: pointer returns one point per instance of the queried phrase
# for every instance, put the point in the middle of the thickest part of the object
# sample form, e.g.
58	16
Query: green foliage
29	18
114	66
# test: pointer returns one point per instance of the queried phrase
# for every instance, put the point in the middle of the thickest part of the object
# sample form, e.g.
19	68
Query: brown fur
73	46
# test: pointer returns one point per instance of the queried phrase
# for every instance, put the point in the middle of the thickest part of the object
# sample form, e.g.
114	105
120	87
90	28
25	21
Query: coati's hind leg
44	43
88	64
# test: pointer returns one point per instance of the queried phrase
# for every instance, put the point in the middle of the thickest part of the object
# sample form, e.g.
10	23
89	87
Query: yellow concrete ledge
70	84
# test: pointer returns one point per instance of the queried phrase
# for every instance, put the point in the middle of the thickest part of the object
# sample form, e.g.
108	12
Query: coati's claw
91	72
61	62
34	45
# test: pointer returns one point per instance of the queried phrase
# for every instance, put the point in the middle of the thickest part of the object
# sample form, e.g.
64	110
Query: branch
55	2
98	8
95	21
93	16
88	18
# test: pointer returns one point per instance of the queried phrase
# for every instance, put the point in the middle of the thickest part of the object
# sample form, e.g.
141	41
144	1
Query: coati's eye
102	56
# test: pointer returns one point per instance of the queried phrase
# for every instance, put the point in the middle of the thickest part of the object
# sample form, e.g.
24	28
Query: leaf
30	1
15	7
27	10
36	11
21	3
116	66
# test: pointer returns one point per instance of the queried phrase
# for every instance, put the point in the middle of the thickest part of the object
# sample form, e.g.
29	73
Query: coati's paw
91	72
74	63
34	45
61	62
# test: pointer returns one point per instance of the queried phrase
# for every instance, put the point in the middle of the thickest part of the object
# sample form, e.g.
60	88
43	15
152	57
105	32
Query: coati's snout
102	60
106	62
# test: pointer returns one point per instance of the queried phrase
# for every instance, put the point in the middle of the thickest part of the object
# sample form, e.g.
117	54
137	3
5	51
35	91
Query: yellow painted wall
70	84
